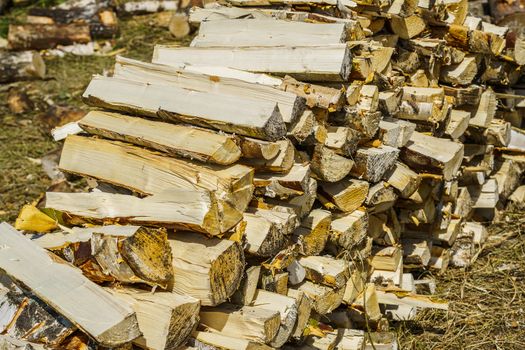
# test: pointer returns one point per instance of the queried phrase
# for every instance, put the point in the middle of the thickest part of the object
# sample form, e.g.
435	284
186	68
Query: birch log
22	65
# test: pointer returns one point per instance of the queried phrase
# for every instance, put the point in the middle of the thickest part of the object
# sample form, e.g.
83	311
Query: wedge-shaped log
287	308
325	299
372	163
326	270
346	195
177	140
395	132
386	258
329	166
458	123
380	198
55	282
432	154
165	319
403	179
247	322
258	149
263	237
22	65
315	95
27	318
246	292
313	232
207	269
313	63
294	183
184	209
304	310
349	229
290	104
261	32
128	254
282	163
260	119
147	172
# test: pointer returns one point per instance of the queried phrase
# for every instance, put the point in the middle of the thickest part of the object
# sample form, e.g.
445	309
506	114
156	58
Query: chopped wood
248	287
313	232
315	95
326	270
307	130
349	229
386	258
457	124
178	140
165	319
259	149
185	209
304	309
22	65
416	252
128	254
218	340
247	322
365	308
282	163
287	308
380	198
329	166
346	195
207	269
483	113
432	154
325	299
53	282
261	119
372	163
395	132
415	300
261	32
263	237
403	179
290	105
343	140
294	183
147	173
313	63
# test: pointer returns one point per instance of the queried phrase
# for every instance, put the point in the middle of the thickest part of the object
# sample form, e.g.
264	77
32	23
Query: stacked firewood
277	184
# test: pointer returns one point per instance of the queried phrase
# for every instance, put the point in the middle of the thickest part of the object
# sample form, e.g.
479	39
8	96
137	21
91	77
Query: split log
178	140
356	283
207	269
365	308
349	229
128	254
165	319
261	119
315	95
403	179
287	308
10	343
47	36
486	195
386	258
329	166
483	113
313	232
263	237
21	66
307	130
416	252
304	309
372	163
290	105
346	195
313	63
258	149
457	124
395	132
294	183
184	209
325	299
326	270
420	301
462	73
245	294
53	282
282	163
343	140
247	322
407	27
365	122
261	32
380	198
27	318
149	173
427	154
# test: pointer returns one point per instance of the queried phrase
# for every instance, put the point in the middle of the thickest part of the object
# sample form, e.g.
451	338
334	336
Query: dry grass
487	300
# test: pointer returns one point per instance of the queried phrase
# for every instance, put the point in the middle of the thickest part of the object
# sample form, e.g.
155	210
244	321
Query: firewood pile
277	184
